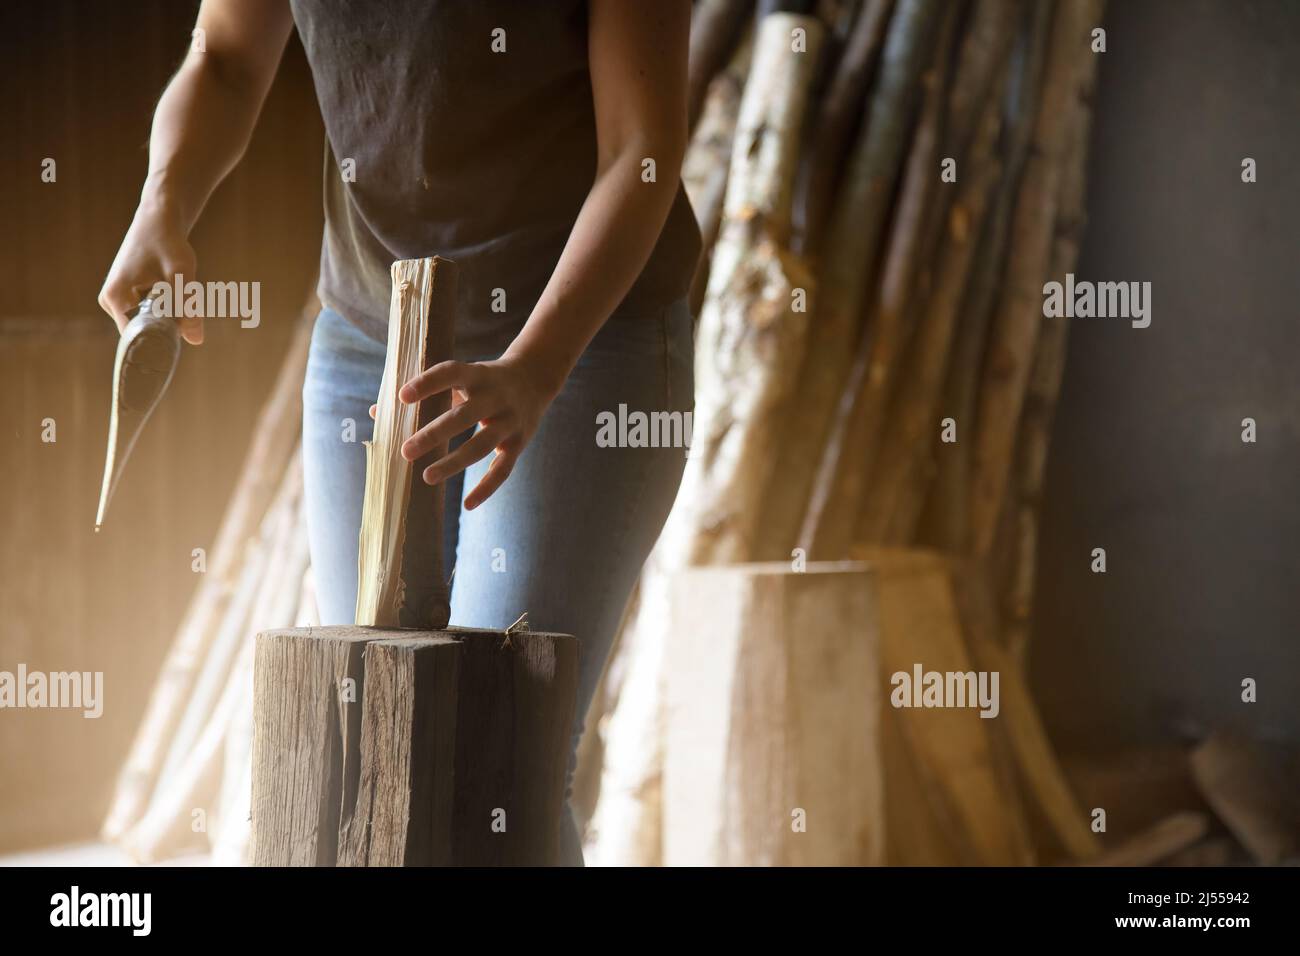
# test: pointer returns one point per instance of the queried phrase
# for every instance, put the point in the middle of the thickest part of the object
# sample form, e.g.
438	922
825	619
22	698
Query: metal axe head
147	355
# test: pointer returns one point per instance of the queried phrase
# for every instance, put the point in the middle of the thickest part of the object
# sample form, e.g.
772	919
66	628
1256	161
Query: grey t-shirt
465	129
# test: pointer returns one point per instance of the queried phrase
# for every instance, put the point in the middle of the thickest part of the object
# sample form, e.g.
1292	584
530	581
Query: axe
147	354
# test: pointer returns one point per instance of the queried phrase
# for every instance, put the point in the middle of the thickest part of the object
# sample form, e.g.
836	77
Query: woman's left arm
637	54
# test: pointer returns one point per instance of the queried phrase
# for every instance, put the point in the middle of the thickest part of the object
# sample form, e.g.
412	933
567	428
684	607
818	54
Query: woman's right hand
155	249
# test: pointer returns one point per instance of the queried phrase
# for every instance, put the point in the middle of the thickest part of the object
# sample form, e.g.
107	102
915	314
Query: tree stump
387	747
774	696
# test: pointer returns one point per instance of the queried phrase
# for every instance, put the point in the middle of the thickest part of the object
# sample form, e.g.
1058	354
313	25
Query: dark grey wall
1200	530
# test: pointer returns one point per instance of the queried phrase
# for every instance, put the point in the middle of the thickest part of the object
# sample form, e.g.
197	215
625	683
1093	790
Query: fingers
439	378
117	300
478	446
502	465
442	429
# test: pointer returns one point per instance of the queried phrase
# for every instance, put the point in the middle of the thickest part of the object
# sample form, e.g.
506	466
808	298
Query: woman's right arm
200	130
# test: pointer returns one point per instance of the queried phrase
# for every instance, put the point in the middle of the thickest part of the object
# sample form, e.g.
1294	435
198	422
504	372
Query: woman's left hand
505	397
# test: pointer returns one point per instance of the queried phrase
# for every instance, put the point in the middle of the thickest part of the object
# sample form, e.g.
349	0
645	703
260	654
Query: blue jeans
563	539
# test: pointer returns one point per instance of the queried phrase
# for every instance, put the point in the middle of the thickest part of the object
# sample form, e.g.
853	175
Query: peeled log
841	105
849	267
892	508
750	325
707	163
848	457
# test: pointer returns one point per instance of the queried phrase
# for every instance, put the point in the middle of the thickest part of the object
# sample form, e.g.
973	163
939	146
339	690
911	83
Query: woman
538	145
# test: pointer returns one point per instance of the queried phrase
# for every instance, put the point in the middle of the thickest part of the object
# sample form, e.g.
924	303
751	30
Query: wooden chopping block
410	748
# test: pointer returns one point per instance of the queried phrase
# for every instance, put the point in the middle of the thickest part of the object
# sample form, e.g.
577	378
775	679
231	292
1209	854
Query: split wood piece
708	160
849	455
1015	329
1157	843
849	267
273	444
400	578
819	173
891	510
1242	787
401	748
950	498
774	693
951	746
716	28
752	340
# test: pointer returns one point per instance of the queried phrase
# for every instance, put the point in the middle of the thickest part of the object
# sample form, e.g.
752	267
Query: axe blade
147	354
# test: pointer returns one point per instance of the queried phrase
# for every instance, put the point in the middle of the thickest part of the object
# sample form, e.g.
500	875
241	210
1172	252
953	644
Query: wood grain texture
773	737
400	578
397	810
451	749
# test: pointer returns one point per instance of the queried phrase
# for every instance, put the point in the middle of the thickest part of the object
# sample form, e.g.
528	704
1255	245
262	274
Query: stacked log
937	185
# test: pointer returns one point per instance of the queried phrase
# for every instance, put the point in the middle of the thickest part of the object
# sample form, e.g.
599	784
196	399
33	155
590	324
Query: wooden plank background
78	83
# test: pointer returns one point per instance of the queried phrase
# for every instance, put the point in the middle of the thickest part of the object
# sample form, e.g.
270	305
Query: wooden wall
77	84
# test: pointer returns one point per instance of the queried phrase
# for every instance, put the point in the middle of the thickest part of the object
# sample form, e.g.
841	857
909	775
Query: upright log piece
410	748
774	695
400	578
